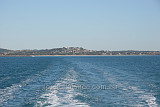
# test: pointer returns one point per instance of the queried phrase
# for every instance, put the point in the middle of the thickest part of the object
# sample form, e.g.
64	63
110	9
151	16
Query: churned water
80	81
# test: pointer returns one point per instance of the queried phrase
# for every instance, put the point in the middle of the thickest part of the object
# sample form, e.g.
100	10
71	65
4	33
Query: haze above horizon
91	24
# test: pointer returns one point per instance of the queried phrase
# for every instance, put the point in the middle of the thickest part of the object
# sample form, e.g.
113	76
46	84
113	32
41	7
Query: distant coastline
64	55
73	51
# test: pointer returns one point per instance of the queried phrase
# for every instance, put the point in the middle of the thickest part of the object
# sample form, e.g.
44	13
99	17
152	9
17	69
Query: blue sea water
80	81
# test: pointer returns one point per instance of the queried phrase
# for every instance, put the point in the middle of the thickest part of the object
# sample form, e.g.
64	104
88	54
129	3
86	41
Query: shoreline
68	55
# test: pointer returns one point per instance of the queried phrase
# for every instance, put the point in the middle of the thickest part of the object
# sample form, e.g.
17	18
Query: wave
61	95
16	91
8	93
141	97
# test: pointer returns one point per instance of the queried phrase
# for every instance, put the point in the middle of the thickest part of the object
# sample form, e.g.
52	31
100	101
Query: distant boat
32	56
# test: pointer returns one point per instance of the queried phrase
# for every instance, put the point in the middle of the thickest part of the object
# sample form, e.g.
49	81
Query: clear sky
92	24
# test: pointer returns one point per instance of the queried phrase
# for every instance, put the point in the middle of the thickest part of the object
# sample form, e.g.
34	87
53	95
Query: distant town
72	51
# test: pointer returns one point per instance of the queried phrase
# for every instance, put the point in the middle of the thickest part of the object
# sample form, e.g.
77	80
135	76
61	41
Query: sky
91	24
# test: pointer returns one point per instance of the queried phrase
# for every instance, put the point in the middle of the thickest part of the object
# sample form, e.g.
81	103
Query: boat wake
134	95
62	95
8	93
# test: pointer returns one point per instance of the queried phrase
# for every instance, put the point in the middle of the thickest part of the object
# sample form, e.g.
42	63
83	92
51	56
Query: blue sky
92	24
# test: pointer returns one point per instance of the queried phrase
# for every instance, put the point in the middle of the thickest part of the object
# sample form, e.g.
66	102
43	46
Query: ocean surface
80	81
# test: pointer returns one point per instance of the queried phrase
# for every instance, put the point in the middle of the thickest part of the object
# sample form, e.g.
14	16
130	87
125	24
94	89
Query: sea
80	81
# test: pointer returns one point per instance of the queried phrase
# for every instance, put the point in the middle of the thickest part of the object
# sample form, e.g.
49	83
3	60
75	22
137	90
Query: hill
72	51
4	50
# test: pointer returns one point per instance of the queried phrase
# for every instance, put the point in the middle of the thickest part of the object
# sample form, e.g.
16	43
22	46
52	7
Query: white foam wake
143	97
60	95
7	93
